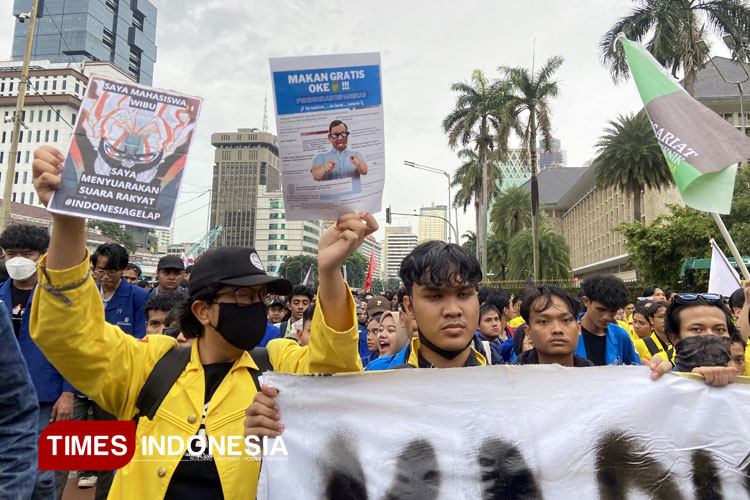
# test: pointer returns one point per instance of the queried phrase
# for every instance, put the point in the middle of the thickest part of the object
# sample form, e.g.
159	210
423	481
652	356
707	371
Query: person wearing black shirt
604	342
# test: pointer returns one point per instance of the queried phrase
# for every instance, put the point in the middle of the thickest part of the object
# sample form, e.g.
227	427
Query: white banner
501	432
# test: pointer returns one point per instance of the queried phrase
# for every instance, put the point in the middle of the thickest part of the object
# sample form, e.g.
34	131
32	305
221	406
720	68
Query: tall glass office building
120	31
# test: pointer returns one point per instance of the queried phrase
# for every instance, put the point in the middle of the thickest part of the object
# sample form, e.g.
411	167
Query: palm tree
468	179
475	119
470	245
676	27
531	92
497	255
630	159
511	212
554	255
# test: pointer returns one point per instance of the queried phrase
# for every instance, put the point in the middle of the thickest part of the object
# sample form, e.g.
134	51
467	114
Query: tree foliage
511	212
658	250
630	159
295	268
115	231
676	27
554	255
356	270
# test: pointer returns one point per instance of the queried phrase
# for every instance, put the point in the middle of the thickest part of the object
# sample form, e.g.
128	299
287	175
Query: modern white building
368	247
275	237
52	100
399	241
432	223
165	239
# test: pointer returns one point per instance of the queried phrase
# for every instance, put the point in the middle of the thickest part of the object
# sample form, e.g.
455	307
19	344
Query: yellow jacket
747	360
642	349
516	322
111	367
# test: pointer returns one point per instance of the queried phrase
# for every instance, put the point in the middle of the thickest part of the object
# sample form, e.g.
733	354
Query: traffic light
388	215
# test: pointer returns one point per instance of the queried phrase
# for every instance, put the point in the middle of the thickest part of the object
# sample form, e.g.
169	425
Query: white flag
723	279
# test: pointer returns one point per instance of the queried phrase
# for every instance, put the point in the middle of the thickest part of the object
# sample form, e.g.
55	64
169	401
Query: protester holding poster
225	311
127	154
329	118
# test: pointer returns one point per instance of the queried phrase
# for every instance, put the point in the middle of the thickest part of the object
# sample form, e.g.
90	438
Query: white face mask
20	268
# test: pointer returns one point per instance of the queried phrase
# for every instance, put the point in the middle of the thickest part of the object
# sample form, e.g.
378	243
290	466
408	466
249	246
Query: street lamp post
448	208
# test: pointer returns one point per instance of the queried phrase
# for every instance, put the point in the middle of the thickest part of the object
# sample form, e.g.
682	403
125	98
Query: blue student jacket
272	332
496	347
48	382
125	309
389	361
19	418
364	351
619	349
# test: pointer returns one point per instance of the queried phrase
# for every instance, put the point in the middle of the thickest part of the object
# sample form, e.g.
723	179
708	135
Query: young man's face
108	278
276	314
131	276
169	279
447	316
659	295
657	320
489	325
155	322
299	305
598	313
737	357
554	330
22	252
629	310
702	320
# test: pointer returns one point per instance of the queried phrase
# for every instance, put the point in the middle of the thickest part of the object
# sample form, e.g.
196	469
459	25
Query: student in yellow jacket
225	310
657	342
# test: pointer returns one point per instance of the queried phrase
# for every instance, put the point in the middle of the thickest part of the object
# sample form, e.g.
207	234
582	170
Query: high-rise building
166	238
122	32
52	100
399	241
367	248
277	238
244	161
432	223
556	157
516	171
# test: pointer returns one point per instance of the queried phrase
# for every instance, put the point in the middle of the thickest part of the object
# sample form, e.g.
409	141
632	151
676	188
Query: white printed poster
329	122
508	432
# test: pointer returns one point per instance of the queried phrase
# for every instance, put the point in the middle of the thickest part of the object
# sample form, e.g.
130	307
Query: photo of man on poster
340	162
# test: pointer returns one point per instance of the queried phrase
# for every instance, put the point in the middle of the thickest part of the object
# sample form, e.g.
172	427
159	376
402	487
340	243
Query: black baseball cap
170	262
237	266
279	303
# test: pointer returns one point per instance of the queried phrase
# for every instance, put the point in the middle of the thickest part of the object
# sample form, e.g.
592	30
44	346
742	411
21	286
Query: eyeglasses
690	297
244	296
171	332
108	272
337	134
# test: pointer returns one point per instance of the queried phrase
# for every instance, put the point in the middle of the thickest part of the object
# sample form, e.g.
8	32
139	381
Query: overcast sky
219	50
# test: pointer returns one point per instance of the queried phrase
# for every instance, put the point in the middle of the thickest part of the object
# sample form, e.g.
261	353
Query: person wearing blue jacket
23	245
123	302
19	416
602	341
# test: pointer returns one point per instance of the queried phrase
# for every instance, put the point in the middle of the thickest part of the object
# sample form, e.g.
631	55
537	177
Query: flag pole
732	246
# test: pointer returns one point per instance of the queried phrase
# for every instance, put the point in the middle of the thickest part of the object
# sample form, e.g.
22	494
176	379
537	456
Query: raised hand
46	169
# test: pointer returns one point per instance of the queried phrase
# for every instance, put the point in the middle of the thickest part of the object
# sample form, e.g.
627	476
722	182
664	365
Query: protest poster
127	155
530	432
329	122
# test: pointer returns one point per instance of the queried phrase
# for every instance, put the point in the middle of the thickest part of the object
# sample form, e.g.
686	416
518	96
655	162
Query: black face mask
242	326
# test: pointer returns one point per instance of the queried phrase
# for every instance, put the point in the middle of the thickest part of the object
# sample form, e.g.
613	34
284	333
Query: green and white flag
701	148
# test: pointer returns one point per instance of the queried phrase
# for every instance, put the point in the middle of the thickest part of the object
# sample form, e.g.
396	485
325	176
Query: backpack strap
263	361
651	346
161	379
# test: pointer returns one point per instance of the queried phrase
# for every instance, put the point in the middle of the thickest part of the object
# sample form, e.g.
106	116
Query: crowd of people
89	342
